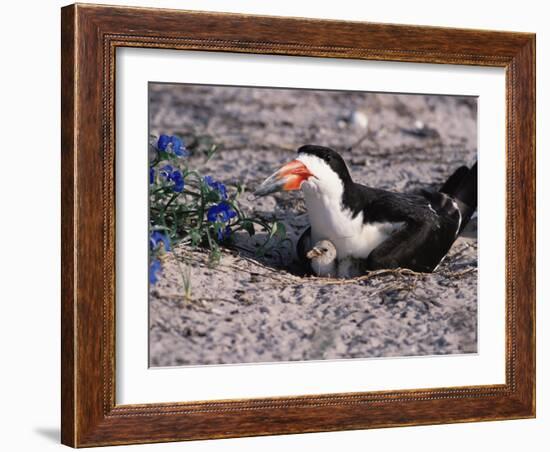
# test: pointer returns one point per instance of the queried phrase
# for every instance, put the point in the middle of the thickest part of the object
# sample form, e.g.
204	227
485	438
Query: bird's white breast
330	220
327	269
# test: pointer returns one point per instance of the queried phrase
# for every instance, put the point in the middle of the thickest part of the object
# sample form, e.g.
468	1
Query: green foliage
188	207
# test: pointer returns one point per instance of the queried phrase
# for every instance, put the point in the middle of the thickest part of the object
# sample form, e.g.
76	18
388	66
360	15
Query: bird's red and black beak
289	177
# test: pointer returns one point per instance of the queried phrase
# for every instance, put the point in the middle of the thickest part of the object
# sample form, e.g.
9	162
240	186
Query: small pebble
360	119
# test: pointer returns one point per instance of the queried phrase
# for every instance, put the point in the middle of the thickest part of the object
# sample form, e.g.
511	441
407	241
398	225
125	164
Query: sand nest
249	309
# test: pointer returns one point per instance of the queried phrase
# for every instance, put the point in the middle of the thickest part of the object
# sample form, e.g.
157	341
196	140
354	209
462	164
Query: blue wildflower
154	268
166	171
169	174
216	186
178	147
167	142
222	212
157	238
212	214
179	183
163	142
151	175
223	233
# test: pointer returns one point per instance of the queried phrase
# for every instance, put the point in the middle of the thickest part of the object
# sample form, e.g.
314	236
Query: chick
323	259
324	262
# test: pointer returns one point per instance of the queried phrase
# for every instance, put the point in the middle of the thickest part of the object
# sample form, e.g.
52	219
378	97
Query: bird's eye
324	250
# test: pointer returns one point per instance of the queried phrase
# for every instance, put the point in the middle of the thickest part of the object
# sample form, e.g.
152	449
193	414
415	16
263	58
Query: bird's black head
319	166
330	157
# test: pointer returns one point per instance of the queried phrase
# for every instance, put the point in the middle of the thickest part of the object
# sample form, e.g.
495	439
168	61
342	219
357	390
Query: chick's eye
324	250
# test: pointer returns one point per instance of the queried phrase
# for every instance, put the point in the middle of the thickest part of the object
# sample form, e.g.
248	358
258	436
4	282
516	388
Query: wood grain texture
90	36
68	310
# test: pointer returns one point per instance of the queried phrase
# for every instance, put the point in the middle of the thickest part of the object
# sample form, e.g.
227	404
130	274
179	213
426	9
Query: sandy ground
260	310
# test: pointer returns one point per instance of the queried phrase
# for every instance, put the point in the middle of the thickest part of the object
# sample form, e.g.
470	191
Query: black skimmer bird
378	228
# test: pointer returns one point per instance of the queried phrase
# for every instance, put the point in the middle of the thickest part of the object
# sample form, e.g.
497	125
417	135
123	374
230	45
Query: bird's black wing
425	237
385	206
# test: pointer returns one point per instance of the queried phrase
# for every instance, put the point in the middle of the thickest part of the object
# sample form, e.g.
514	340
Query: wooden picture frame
90	36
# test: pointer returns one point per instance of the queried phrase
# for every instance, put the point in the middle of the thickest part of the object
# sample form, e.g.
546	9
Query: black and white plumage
376	228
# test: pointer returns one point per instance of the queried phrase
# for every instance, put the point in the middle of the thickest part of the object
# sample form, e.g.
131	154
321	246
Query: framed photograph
281	225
